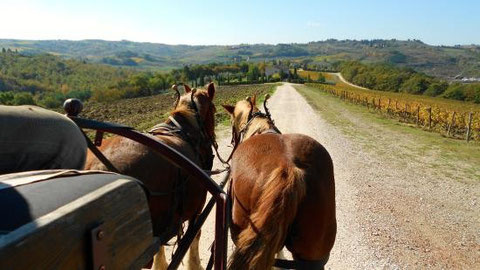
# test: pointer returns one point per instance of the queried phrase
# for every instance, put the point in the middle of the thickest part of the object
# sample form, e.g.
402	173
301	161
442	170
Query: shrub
454	91
436	88
6	98
23	98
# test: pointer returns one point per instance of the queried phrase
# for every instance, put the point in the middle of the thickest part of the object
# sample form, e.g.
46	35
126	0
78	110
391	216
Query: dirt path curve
339	76
391	214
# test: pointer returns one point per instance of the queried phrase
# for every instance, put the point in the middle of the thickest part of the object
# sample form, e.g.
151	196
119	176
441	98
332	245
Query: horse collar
243	131
174	128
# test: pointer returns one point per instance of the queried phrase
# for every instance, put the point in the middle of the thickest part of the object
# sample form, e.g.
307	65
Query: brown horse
178	197
282	191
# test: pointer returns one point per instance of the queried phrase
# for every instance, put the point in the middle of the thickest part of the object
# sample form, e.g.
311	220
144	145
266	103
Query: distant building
460	78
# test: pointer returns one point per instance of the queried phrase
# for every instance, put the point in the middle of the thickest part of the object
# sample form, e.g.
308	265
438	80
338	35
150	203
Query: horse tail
269	222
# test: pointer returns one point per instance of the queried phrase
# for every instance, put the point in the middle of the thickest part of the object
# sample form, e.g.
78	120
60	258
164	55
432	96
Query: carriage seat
33	138
51	219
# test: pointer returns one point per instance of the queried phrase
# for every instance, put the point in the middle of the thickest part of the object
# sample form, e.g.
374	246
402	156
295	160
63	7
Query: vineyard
451	118
144	112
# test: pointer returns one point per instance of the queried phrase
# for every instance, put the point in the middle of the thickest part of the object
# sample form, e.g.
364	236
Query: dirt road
340	77
393	212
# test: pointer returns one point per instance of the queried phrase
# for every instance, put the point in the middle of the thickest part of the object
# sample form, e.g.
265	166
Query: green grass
382	135
442	109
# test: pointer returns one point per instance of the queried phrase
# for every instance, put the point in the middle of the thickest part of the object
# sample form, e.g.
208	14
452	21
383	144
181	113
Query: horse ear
187	88
211	90
254	100
229	108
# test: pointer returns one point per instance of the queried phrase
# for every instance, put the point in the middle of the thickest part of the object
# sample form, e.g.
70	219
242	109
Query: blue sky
438	22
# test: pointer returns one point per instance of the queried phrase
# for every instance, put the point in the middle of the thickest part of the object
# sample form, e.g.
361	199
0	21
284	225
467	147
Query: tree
157	83
24	98
417	84
253	73
436	88
321	78
282	74
6	98
454	92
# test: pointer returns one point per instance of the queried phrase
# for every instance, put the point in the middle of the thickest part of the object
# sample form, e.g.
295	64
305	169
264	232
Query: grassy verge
387	137
438	113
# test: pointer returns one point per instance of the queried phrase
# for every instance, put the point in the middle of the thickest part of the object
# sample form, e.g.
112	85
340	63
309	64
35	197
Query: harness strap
271	131
302	264
175	122
99	154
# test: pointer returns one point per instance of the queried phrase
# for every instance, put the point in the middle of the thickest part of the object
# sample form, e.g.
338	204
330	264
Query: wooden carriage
94	220
97	220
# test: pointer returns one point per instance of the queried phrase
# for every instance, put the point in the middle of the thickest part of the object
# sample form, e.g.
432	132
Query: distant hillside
48	80
441	61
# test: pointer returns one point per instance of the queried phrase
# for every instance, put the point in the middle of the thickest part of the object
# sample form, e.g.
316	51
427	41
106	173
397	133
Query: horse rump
270	220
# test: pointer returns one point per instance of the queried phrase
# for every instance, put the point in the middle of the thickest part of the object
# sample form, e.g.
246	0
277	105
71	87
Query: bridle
238	137
205	136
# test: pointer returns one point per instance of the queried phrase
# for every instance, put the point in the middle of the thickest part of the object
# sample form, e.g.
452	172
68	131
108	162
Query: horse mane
187	113
210	122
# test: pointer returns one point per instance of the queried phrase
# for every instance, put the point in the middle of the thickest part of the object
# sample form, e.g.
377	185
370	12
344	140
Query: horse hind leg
160	260
194	255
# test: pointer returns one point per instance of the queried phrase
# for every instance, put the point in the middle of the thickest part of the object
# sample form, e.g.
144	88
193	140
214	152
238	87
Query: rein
211	139
251	117
241	134
187	137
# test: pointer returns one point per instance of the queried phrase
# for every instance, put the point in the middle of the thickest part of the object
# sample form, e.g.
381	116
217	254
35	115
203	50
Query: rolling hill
440	61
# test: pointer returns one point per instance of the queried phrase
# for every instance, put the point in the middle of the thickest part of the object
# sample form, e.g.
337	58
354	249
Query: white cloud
314	24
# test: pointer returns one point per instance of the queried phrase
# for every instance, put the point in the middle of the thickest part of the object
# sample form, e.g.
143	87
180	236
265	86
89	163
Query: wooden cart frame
219	198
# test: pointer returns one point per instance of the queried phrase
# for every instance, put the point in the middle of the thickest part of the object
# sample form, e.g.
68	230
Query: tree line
385	77
48	80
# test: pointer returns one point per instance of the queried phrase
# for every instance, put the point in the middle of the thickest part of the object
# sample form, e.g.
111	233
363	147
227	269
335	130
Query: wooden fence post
388	106
418	115
451	124
469	127
429	110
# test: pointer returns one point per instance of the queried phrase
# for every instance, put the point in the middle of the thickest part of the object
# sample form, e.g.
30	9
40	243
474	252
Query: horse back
312	233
